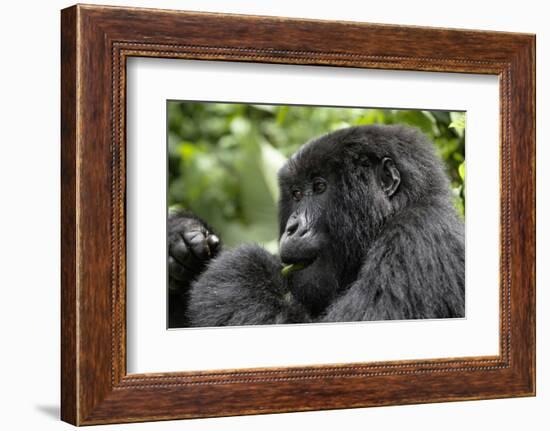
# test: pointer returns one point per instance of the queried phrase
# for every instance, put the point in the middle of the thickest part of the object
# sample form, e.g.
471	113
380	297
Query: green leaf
240	126
425	122
288	269
458	122
281	115
187	151
462	171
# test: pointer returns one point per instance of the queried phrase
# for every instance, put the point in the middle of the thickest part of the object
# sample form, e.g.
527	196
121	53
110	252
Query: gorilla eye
297	194
319	186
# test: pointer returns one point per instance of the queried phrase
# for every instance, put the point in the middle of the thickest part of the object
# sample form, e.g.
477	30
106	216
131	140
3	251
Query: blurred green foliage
223	158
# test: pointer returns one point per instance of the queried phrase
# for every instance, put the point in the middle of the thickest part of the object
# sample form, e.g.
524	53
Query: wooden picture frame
95	43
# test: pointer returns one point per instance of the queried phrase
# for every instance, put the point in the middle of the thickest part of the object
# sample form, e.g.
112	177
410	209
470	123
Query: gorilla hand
191	244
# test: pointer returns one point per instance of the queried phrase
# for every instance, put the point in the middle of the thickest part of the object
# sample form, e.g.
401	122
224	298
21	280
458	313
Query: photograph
294	214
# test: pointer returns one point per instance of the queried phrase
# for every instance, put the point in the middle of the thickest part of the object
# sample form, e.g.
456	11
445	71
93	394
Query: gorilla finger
213	243
196	240
179	250
176	270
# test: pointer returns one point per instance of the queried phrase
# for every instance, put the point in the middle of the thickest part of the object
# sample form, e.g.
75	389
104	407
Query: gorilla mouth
289	268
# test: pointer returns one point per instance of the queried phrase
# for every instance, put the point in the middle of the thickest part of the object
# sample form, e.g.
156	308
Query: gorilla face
304	235
320	241
306	245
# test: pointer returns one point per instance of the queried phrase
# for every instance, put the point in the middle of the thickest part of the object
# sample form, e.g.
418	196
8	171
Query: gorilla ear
389	175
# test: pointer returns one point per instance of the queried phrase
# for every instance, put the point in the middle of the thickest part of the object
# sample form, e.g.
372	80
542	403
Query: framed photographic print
279	215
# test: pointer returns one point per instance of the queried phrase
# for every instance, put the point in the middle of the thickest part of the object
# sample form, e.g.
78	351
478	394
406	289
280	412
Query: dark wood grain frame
95	43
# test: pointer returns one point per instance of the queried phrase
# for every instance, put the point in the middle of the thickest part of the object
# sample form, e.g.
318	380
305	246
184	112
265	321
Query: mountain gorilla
368	231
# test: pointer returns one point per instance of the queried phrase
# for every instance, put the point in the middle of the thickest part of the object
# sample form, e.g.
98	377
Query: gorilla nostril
303	232
292	228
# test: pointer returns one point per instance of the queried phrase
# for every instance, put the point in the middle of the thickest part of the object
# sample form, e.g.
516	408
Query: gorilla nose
298	243
296	226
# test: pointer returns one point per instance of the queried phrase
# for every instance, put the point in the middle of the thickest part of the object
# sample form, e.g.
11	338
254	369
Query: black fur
243	287
381	255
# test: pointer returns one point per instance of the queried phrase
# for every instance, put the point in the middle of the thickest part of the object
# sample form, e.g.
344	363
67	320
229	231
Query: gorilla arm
243	286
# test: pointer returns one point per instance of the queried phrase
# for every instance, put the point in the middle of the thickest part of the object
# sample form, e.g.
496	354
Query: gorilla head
338	191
